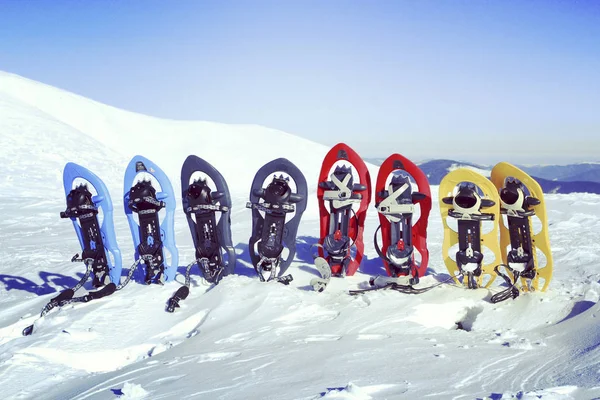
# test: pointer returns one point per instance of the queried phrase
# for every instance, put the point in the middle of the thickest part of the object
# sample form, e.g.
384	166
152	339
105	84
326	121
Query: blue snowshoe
83	208
100	252
153	237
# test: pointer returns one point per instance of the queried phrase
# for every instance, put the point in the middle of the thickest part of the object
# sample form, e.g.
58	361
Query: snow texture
244	339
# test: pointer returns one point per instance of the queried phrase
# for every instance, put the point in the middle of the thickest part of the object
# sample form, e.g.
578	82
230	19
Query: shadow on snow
52	282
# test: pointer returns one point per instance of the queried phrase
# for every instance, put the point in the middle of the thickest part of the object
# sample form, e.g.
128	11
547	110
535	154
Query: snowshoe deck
522	198
100	252
152	237
470	208
341	226
270	205
212	239
395	203
95	239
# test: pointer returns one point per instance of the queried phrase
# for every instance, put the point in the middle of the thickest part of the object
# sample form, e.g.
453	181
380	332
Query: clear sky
475	80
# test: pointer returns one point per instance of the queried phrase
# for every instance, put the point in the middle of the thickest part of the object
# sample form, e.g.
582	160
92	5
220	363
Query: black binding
143	201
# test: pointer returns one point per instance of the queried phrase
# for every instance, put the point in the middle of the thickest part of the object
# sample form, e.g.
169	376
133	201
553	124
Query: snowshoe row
472	209
149	204
469	202
344	194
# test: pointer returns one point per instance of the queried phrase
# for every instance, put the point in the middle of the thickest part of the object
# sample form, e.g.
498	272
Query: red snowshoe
395	199
343	206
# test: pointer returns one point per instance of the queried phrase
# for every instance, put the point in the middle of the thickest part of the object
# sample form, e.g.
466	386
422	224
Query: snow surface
244	339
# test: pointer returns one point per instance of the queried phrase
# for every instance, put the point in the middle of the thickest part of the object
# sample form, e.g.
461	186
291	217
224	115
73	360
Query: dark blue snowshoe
208	212
271	207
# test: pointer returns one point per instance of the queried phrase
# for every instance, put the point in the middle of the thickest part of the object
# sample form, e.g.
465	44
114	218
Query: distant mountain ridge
569	173
571	178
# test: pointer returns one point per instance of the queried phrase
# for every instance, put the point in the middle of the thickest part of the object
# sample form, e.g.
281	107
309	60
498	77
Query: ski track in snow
243	338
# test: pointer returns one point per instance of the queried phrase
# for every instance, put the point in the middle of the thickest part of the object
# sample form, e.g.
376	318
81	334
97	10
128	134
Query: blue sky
477	80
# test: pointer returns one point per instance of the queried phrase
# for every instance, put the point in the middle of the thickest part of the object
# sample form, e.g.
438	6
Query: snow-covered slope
63	126
249	340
